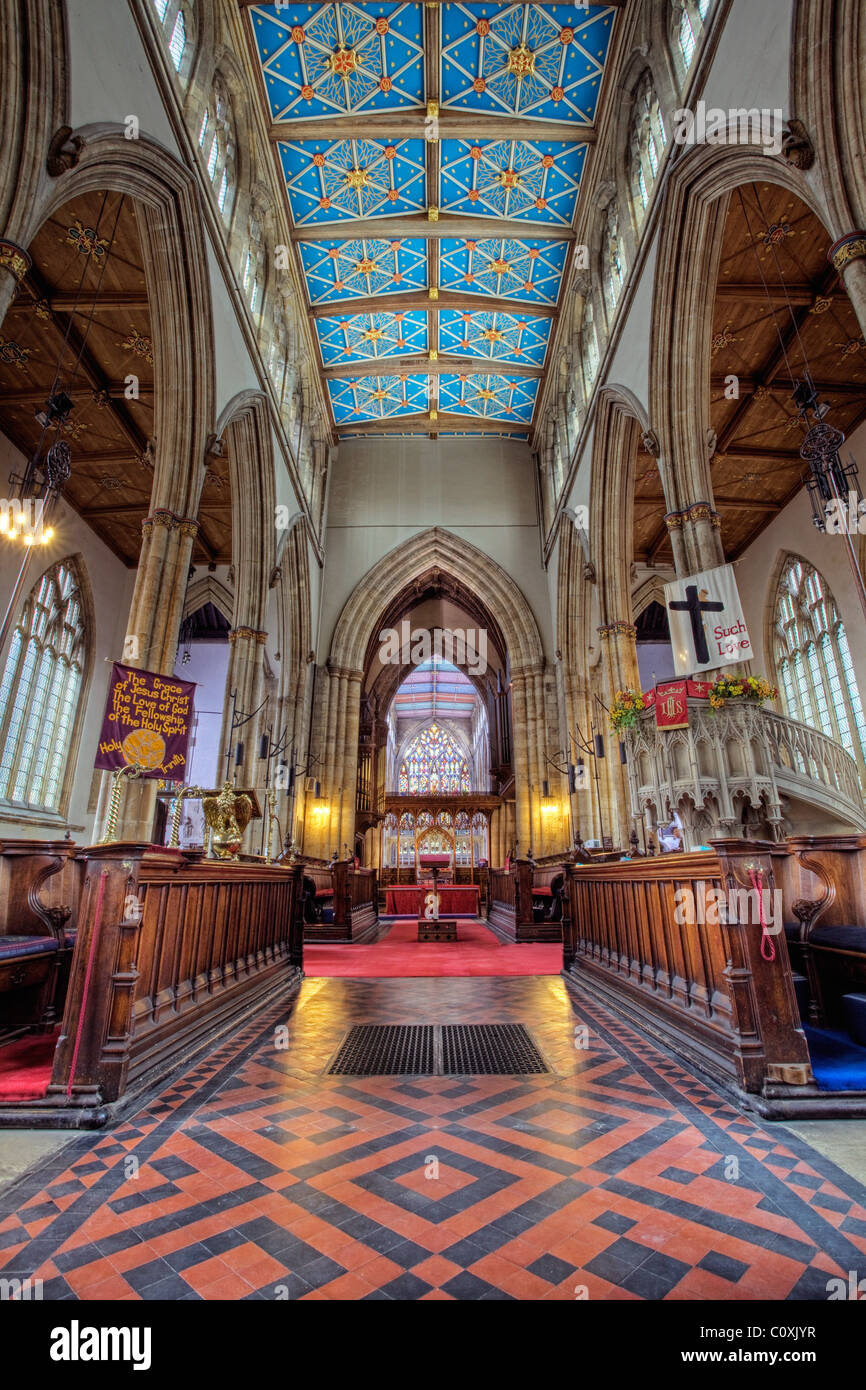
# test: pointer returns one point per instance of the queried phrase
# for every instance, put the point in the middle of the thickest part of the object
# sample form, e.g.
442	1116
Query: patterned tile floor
256	1176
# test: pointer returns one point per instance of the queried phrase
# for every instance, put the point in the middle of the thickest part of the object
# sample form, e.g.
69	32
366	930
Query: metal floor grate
489	1049
386	1050
453	1049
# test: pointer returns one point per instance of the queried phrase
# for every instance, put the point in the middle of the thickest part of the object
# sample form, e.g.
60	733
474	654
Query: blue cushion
840	938
69	936
14	946
854	1014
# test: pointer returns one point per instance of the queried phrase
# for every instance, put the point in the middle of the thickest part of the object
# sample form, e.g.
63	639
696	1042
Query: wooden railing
172	951
652	939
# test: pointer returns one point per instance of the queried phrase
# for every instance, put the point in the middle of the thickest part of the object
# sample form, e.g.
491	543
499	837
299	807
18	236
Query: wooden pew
705	991
823	883
40	883
341	903
512	913
172	952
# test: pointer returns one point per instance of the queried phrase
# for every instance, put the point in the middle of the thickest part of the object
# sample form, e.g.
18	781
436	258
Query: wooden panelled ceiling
80	323
780	307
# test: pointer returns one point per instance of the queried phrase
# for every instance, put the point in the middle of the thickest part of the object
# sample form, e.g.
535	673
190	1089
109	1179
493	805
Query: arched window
216	140
589	347
40	691
176	18
253	275
612	257
646	146
688	24
813	660
433	764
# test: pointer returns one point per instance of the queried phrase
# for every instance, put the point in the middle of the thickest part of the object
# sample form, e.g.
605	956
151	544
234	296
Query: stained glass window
433	764
646	144
688	19
40	690
814	662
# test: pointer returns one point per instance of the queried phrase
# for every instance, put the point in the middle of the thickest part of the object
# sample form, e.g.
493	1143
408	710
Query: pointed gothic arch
690	244
533	696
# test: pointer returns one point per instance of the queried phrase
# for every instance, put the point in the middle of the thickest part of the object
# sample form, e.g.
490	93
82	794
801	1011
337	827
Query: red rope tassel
768	945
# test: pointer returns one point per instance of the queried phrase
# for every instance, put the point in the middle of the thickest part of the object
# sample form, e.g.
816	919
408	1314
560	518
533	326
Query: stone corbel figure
64	152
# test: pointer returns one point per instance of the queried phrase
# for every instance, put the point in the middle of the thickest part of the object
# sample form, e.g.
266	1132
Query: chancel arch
451	557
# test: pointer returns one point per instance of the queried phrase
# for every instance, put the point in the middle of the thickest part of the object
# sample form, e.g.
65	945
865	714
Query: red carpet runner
25	1067
476	952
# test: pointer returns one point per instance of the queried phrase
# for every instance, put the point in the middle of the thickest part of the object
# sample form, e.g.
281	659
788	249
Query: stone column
152	635
696	538
245	678
352	682
619	656
14	265
523	755
848	258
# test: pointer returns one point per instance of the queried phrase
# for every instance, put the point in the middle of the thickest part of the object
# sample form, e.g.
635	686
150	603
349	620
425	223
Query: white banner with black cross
707	624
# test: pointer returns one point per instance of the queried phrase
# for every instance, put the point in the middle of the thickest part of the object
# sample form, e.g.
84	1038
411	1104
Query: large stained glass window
433	764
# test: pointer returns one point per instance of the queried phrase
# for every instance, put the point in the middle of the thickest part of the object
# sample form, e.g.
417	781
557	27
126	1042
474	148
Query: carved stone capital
248	634
187	525
617	629
14	259
847	249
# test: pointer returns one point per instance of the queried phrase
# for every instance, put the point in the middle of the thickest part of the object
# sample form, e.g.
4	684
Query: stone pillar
14	265
523	758
352	682
696	538
245	677
152	635
619	655
848	258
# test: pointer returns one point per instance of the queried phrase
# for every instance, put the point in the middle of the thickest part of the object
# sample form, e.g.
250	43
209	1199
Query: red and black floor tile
617	1175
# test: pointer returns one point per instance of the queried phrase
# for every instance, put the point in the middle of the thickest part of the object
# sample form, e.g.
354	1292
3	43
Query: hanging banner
699	690
147	721
707	624
672	711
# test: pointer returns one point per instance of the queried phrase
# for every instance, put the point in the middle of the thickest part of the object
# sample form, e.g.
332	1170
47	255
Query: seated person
671	836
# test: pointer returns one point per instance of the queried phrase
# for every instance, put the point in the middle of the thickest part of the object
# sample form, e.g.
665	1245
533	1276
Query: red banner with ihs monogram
672	711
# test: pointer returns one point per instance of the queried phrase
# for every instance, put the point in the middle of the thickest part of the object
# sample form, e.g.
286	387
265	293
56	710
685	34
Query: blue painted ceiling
373	111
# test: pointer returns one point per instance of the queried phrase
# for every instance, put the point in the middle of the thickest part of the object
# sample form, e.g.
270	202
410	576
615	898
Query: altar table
458	900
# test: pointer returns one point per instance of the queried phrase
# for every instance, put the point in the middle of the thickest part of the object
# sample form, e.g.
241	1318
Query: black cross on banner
696	605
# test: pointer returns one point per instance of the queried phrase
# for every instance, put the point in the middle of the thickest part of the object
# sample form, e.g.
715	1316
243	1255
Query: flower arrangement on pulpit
626	707
757	689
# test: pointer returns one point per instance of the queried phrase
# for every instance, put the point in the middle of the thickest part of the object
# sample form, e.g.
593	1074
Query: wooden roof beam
422	424
417	224
410	125
424	366
448	299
